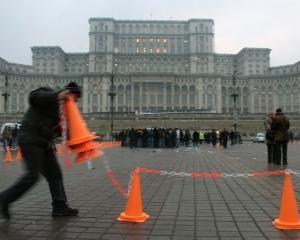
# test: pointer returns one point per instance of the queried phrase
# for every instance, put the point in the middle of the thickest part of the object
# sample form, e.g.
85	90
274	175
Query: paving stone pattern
180	208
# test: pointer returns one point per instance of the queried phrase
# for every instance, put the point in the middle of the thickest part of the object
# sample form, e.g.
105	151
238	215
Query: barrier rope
194	175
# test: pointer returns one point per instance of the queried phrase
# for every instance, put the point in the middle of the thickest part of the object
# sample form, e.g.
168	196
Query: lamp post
234	98
5	96
112	95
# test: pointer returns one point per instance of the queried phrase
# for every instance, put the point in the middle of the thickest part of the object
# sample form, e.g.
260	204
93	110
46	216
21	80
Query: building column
165	95
85	93
252	109
199	94
227	97
188	98
241	100
99	101
132	98
180	98
219	97
172	96
140	98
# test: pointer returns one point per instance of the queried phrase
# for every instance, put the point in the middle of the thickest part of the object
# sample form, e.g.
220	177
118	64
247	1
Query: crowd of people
277	137
9	136
174	137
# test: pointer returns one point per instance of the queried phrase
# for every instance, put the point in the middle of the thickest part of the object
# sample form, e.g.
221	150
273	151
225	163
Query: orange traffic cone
8	156
19	155
80	140
134	209
88	155
78	132
288	216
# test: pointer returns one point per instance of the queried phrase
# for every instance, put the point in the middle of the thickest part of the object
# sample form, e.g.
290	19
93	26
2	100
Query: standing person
213	137
132	138
224	137
270	137
40	126
232	137
15	136
281	125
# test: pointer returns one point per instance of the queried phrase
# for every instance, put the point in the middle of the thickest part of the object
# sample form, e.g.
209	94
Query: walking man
281	126
39	127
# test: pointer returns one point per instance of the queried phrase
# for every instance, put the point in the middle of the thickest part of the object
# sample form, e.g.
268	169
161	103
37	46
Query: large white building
157	66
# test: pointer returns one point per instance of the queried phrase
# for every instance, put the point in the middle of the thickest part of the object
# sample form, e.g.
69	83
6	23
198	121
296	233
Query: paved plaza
183	199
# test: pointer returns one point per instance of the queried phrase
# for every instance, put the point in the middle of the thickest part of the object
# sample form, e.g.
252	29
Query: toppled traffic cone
134	207
78	132
80	140
88	155
8	156
288	216
19	155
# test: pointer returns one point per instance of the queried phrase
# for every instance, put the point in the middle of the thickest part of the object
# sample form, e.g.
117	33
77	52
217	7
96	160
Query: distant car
259	138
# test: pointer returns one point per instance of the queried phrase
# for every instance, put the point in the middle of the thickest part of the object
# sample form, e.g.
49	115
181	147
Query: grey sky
238	23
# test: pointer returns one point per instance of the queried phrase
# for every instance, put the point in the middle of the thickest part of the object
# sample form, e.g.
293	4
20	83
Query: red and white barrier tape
194	175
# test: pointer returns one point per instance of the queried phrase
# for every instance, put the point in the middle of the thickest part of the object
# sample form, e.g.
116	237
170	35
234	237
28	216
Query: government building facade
156	66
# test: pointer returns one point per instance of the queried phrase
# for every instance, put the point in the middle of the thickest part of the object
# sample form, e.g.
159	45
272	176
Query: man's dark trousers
38	160
281	147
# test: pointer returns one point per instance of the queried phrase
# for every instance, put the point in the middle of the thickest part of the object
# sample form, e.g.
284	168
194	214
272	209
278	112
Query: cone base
80	140
283	225
88	155
83	147
125	218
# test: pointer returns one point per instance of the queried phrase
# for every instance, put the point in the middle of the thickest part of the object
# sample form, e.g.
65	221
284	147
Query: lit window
157	50
145	50
165	40
158	40
137	50
151	39
151	50
137	40
165	50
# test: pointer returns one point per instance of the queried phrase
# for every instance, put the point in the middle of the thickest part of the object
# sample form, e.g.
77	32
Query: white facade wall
157	66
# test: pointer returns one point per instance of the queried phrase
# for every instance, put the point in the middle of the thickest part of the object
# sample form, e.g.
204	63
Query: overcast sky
238	23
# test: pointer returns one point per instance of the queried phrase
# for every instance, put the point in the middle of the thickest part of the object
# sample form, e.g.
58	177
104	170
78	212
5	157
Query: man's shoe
4	210
63	212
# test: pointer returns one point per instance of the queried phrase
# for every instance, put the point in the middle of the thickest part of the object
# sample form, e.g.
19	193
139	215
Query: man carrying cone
39	127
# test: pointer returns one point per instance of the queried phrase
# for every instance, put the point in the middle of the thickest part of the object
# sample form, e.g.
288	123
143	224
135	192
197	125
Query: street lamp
112	95
234	97
5	96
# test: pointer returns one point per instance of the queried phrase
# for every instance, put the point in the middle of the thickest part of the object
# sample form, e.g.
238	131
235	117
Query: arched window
193	97
184	95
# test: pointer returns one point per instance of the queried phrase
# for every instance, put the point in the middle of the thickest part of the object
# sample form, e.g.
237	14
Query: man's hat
73	88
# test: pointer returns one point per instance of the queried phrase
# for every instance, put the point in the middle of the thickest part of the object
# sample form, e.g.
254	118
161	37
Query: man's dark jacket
281	125
40	124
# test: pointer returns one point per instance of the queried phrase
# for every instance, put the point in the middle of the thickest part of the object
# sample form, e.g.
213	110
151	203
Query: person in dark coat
270	137
213	137
40	126
224	137
281	126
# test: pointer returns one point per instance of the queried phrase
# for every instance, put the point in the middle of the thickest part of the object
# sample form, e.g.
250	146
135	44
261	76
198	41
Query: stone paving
180	207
